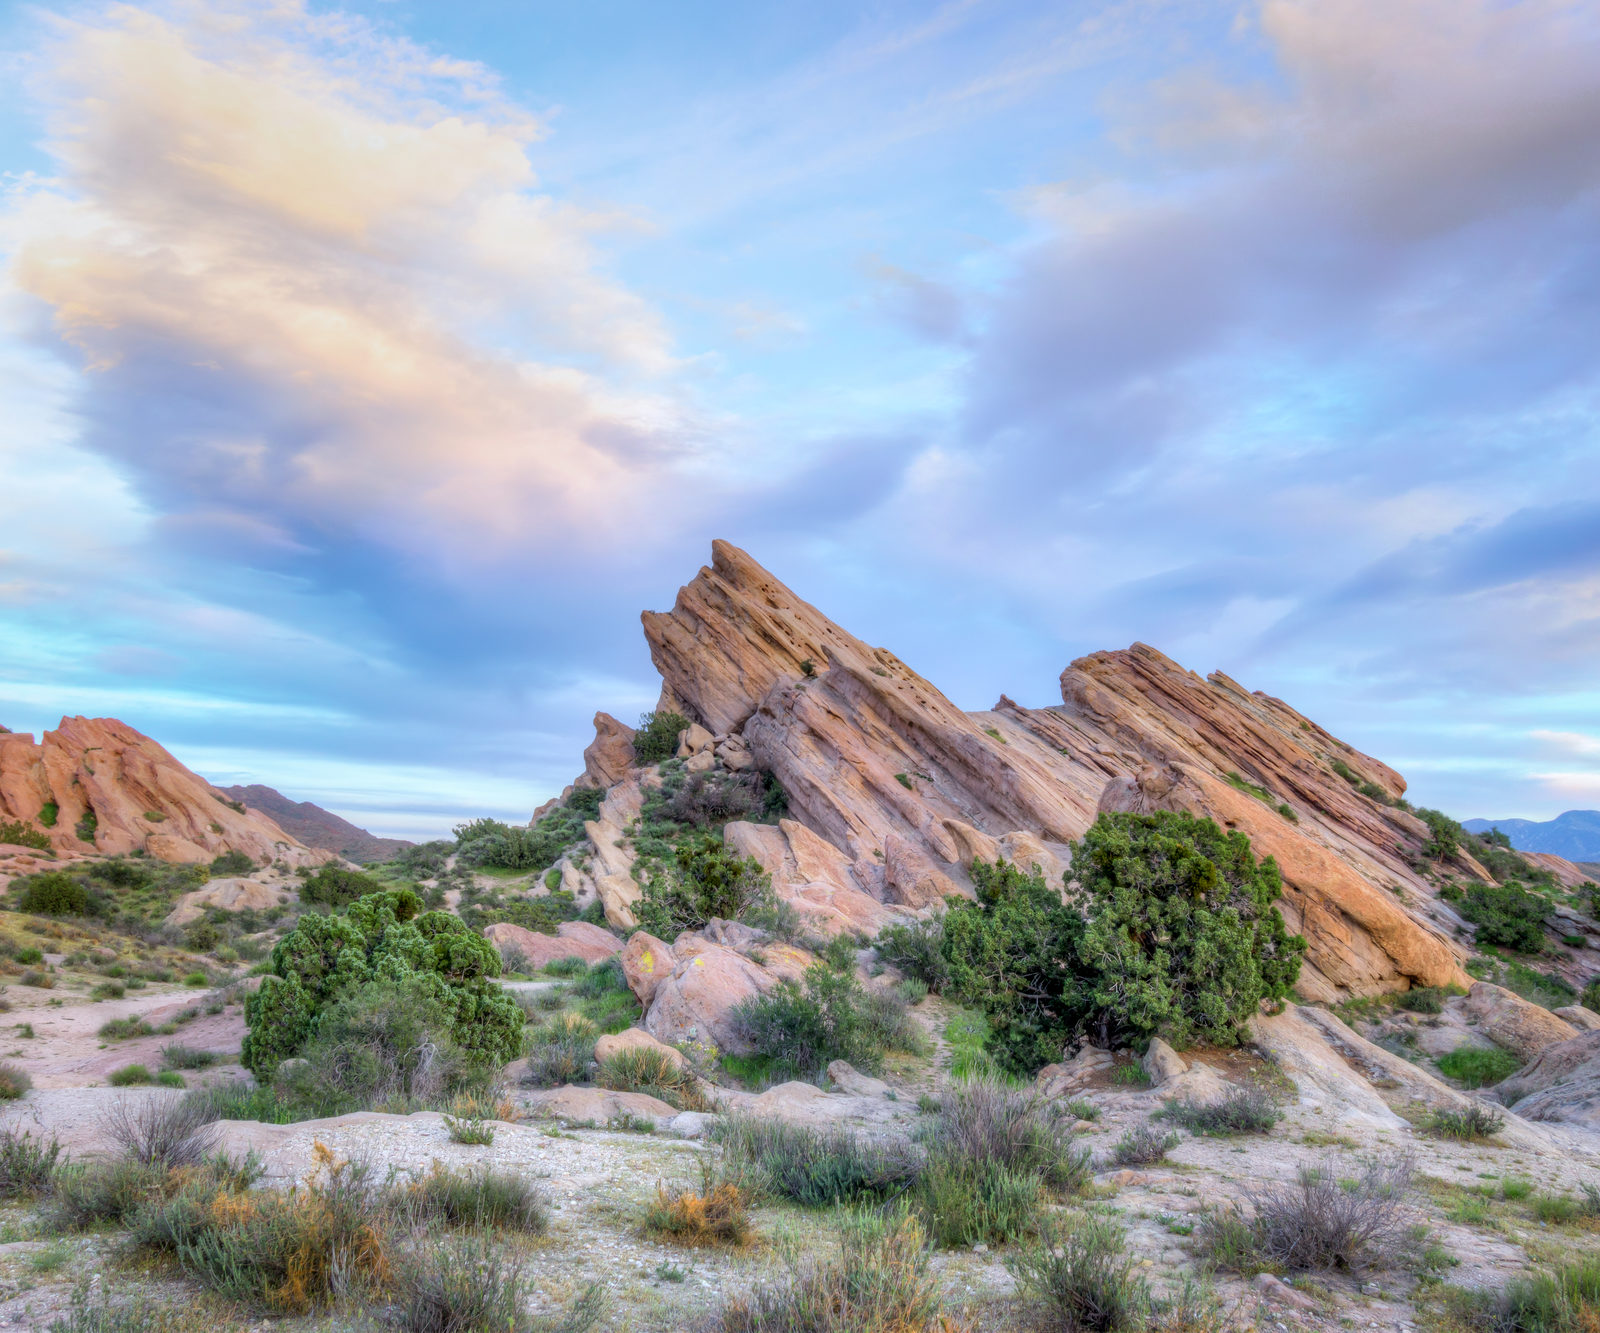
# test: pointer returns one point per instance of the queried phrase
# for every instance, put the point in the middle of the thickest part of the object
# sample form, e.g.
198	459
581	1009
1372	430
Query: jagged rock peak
97	785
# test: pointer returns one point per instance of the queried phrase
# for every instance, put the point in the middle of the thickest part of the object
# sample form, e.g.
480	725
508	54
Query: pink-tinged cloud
312	280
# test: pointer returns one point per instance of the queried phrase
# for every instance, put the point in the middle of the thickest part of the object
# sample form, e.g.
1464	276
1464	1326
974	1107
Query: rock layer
97	785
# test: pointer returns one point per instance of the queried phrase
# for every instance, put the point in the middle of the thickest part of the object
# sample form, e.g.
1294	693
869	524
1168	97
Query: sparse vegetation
1478	1067
1243	1110
815	1167
27	1164
1468	1123
1143	1145
649	1070
1077	1277
14	1082
20	834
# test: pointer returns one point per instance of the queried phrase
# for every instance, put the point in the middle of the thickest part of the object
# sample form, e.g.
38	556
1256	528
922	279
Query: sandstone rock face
909	790
610	755
645	962
125	793
1561	1083
231	895
693	1004
811	875
573	939
1508	1020
633	1039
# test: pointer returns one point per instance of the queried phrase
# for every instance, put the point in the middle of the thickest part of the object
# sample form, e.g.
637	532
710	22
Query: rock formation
893	790
97	785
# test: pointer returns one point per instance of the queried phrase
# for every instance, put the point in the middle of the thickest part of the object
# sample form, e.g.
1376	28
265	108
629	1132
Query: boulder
573	939
847	1078
598	1106
610	755
1562	1082
693	740
633	1039
645	961
1161	1063
231	895
1580	1016
1519	1025
1072	1076
693	1004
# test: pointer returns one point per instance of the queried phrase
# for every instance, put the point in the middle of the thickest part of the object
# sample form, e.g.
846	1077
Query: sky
365	370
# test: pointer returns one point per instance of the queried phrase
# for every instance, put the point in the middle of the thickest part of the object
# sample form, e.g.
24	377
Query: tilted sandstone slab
693	1005
1561	1083
573	939
812	876
1519	1025
124	793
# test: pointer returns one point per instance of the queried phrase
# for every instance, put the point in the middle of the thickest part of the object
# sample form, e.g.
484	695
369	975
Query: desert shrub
201	937
656	737
1477	1067
14	1082
472	1130
56	893
712	799
992	1151
1173	931
90	1193
482	1198
165	1132
235	863
336	886
1320	1221
916	948
1507	916
1422	1000
27	1164
1078	1278
288	1252
566	967
881	1282
717	1212
93	1309
120	1029
28	954
1468	1123
19	834
179	1056
129	1076
389	1042
645	1069
1243	1110
1143	1145
43	980
468	1284
815	1167
1590	998
803	1026
380	938
561	1051
1563	1300
705	881
1445	836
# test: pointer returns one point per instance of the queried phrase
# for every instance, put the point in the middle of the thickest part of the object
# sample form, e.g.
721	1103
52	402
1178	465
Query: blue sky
367	369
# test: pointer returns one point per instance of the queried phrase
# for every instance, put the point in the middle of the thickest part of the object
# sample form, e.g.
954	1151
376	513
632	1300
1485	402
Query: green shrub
379	938
56	893
18	834
657	736
120	1029
561	1051
1422	1000
1565	1300
1445	835
566	967
1246	1110
815	1167
1078	1276
49	812
1506	916
179	1056
472	1130
27	1164
14	1082
1591	996
335	886
648	1070
706	881
482	1197
881	1282
129	1076
1173	931
1143	1145
233	863
85	1194
1477	1067
916	948
804	1026
1469	1124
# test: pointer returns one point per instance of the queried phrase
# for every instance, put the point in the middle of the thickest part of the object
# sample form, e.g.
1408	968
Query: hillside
1574	835
316	827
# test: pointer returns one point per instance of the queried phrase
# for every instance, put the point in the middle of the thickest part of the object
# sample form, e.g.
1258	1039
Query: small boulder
1581	1017
847	1078
634	1039
1279	1292
1508	1020
693	740
703	762
1072	1076
645	961
598	1105
690	1124
1161	1063
573	939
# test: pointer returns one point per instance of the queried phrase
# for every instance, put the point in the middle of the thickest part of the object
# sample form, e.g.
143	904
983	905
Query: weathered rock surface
1162	1064
598	1106
124	793
847	1078
693	1004
231	895
1561	1083
573	939
646	961
909	790
610	755
812	875
1581	1017
1508	1020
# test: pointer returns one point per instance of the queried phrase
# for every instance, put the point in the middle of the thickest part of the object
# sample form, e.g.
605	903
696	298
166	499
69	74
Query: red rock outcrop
97	785
908	789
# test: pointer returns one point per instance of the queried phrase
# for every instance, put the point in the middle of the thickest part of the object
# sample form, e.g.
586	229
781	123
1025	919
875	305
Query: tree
657	736
705	881
380	939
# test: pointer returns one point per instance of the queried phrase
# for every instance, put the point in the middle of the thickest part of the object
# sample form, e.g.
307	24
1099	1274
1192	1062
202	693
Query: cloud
319	298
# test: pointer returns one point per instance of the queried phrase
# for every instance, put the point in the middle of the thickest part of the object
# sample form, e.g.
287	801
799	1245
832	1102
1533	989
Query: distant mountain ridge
316	827
1574	834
